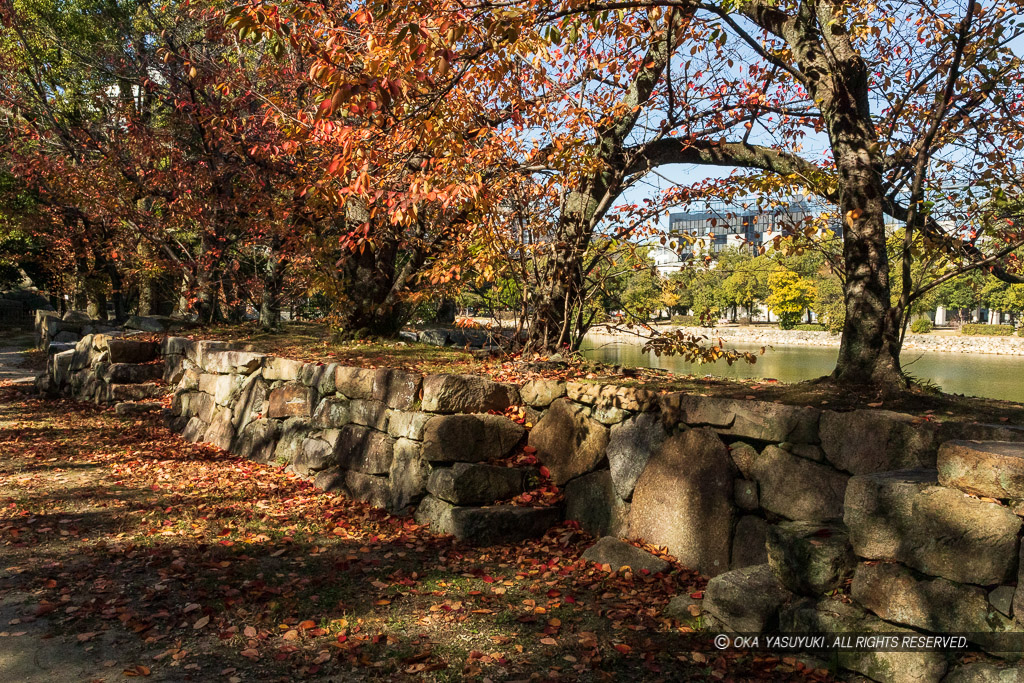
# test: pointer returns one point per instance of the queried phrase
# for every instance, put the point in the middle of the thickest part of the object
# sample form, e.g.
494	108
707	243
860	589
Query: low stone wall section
807	519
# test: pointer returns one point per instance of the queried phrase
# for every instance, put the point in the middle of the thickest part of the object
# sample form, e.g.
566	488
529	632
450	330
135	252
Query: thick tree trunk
370	309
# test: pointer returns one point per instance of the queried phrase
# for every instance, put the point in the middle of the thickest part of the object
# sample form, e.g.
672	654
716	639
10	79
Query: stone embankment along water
783	502
768	336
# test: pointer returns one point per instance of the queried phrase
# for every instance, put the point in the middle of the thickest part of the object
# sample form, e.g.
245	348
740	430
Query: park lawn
178	561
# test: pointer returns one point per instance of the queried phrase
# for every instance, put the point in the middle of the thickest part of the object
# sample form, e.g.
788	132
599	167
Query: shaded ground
128	552
312	342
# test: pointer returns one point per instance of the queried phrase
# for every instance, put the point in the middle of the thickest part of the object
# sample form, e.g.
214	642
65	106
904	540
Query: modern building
742	226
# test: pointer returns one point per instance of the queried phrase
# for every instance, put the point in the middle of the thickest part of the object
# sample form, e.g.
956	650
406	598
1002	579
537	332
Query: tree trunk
273	284
370	310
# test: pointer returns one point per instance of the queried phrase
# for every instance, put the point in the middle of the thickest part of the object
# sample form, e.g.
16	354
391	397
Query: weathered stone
314	455
194	430
332	412
986	672
617	553
797	488
223	388
171	346
761	420
984	468
748	542
371	414
128	351
83	354
433	337
810	558
66	337
251	402
134	409
292	433
630	446
904	516
354	382
591	500
540	393
836	617
1001	599
408	425
61	368
221	433
684	608
146	323
805	450
176	367
356	485
326	386
396	389
408	475
134	392
365	450
463	394
484	526
290	400
896	594
311	374
744	492
475	484
53	348
866	441
743	456
284	369
257	440
746	600
683	501
568	442
80	317
469	438
231	362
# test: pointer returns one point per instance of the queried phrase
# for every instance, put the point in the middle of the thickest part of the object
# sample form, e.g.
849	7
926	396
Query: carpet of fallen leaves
202	566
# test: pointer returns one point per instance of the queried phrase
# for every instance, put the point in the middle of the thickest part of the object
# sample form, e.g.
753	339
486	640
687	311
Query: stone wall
867	520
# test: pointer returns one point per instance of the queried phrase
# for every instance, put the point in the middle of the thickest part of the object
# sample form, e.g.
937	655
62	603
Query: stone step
985	468
483	526
129	408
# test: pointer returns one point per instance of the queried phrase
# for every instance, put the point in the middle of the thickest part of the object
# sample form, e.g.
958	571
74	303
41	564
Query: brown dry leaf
201	622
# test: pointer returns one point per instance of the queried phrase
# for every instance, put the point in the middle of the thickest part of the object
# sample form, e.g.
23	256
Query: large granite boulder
866	441
797	488
748	542
617	554
133	373
465	394
290	400
591	500
810	558
475	483
745	419
408	475
365	450
223	388
540	393
630	446
683	500
129	351
905	516
408	424
984	468
397	389
251	402
285	369
897	594
746	600
836	617
469	438
354	382
257	440
233	362
568	442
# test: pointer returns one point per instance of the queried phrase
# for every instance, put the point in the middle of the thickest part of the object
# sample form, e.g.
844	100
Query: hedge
810	327
987	330
921	326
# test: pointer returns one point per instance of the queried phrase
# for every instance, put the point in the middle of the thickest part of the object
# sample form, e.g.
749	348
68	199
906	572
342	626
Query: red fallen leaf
529	450
342	638
306	625
697	595
623	648
488	579
138	670
545	472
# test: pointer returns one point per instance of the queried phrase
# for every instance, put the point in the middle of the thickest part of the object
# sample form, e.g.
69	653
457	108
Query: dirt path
11	356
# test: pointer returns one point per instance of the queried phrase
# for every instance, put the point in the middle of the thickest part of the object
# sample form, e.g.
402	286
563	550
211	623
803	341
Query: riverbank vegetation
373	163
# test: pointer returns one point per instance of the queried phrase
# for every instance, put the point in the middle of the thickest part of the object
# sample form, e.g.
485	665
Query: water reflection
990	376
